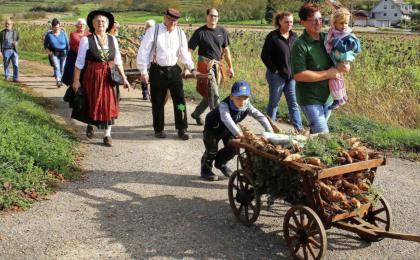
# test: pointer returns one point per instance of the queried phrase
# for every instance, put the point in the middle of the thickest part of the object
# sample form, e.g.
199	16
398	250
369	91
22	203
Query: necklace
102	39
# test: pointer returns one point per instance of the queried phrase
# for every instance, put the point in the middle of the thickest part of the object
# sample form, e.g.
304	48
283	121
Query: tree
270	9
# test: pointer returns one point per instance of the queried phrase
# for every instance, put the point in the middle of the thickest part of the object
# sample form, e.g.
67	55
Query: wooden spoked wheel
304	233
243	199
380	216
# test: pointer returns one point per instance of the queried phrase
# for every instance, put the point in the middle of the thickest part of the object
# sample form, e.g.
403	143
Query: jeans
58	62
11	55
317	116
277	85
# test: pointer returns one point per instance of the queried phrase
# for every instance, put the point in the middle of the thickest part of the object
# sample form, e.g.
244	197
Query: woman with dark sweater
276	57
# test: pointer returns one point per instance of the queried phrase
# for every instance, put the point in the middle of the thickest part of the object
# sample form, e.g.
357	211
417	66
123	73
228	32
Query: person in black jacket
221	123
276	57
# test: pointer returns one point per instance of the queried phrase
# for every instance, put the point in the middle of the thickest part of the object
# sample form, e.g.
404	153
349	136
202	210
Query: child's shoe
225	170
207	174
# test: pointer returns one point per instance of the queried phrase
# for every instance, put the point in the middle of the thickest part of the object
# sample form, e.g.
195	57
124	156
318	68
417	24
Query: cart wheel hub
303	237
244	197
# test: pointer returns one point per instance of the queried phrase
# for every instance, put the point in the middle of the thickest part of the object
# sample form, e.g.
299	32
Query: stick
275	128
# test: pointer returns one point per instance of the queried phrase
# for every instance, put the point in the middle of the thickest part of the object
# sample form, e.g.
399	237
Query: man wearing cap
212	42
221	125
8	44
161	55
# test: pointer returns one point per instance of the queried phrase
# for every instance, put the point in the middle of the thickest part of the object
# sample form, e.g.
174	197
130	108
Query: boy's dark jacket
216	125
3	35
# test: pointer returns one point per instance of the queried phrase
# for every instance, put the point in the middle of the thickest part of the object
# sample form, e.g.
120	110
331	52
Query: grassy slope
33	148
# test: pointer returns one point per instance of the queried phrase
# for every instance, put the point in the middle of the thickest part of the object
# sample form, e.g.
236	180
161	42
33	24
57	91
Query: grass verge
35	152
34	56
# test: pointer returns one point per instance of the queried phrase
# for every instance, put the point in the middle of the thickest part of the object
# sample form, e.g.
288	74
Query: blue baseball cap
240	88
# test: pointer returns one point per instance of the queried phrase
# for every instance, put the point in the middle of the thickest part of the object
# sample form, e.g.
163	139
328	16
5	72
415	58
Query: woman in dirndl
97	54
74	40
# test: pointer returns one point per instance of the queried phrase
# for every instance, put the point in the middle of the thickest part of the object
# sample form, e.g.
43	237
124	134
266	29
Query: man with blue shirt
8	43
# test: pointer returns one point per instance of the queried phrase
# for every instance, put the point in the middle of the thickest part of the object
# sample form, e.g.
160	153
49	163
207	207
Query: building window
385	6
384	14
392	6
395	14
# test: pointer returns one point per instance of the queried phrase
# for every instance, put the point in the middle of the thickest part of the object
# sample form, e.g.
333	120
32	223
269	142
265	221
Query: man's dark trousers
162	79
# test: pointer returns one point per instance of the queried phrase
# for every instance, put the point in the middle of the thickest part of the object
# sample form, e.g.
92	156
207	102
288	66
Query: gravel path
143	199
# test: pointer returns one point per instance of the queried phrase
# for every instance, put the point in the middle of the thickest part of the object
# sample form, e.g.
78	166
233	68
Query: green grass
32	147
403	141
14	7
34	56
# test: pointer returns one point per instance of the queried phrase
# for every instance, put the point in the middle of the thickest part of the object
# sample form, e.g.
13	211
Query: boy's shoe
145	97
208	175
183	134
198	119
160	134
334	105
224	169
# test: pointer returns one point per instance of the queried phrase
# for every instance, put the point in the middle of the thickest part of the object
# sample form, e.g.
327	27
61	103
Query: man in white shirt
164	73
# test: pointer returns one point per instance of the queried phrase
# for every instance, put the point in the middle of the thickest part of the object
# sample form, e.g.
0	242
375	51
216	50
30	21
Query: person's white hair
81	20
150	23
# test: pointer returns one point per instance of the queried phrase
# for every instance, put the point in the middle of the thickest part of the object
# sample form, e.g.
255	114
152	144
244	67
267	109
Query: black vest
93	54
215	124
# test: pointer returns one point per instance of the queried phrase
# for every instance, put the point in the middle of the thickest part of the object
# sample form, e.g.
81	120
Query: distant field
15	7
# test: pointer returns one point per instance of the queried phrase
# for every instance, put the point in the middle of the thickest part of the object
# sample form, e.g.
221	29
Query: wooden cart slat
353	167
360	212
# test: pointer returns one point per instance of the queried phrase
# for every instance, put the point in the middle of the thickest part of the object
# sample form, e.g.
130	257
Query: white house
360	18
389	12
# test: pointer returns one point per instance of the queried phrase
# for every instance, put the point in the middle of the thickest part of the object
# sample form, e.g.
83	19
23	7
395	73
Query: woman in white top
94	60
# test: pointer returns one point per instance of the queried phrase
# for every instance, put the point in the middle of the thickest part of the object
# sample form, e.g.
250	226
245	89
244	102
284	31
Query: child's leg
211	143
225	154
338	91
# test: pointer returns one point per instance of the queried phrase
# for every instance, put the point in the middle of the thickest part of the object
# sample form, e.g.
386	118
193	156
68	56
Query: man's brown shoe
108	141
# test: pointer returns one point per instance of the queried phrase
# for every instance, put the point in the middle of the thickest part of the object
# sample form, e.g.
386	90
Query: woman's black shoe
90	132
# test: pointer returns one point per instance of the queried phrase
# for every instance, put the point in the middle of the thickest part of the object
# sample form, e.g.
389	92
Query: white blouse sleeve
81	54
117	58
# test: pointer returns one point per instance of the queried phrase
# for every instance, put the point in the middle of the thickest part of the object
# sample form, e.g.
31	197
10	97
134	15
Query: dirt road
143	199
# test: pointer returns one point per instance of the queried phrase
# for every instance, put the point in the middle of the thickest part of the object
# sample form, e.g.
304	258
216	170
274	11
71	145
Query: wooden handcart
304	225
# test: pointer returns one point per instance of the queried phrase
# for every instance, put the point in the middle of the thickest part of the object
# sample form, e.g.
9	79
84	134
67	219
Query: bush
34	15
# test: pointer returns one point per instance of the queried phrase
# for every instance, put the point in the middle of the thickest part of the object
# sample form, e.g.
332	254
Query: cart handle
199	76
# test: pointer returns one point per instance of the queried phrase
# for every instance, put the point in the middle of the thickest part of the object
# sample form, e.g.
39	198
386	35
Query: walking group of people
307	69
